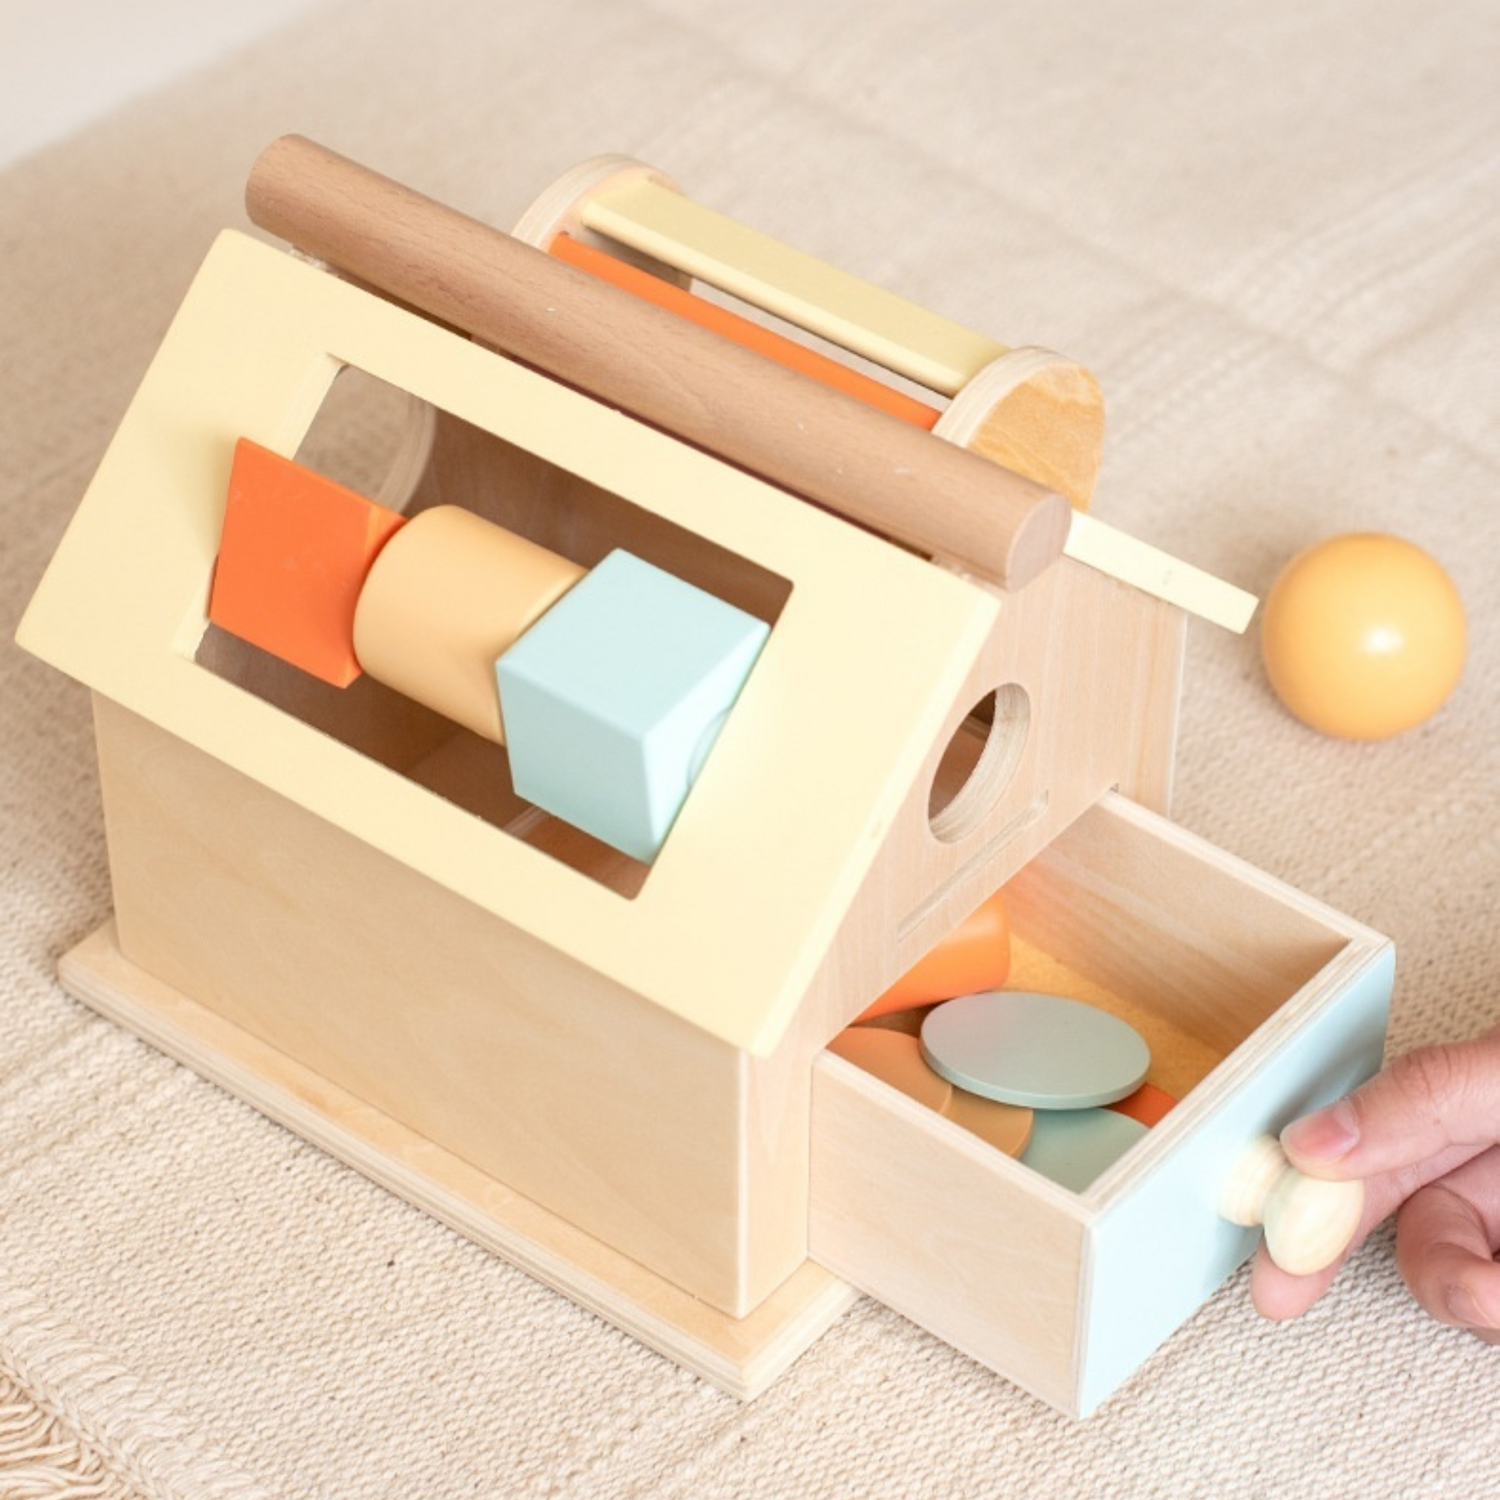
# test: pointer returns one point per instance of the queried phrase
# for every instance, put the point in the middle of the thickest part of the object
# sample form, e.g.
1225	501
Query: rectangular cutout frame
380	441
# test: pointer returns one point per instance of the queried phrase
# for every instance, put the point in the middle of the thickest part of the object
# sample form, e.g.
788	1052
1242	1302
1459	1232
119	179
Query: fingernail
1462	1307
1325	1135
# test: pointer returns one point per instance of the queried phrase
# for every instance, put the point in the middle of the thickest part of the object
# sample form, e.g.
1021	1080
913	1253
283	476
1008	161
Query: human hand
1425	1136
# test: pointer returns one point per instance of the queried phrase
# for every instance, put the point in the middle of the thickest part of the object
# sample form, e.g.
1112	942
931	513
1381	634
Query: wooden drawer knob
1308	1221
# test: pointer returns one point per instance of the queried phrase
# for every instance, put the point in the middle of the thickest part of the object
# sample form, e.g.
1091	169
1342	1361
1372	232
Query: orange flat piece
293	556
1148	1104
742	331
973	958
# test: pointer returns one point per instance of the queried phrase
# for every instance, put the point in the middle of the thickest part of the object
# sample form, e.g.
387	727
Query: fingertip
1443	1251
1323	1138
1461	1306
1471	1301
1422	1104
1277	1295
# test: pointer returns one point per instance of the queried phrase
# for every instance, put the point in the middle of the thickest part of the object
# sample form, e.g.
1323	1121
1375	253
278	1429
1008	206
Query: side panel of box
599	1106
916	1212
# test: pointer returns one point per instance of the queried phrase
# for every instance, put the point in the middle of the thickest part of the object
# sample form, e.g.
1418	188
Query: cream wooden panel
948	1231
741	1356
831	728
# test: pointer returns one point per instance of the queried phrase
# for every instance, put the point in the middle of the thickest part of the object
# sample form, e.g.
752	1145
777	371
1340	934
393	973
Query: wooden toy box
332	902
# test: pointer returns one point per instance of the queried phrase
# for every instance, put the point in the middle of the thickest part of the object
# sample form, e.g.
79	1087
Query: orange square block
294	553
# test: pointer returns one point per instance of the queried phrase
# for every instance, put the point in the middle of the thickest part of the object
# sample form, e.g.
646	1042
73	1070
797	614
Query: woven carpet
74	1423
1271	231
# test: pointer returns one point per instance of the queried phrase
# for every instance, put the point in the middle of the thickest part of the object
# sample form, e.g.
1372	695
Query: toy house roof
743	902
849	696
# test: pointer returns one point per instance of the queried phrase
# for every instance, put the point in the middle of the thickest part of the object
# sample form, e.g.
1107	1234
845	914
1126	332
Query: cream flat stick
852	313
1158	573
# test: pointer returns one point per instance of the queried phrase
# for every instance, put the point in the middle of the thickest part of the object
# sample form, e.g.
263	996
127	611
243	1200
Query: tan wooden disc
894	1058
1006	1127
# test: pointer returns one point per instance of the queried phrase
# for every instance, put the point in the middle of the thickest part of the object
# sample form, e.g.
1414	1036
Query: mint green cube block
613	699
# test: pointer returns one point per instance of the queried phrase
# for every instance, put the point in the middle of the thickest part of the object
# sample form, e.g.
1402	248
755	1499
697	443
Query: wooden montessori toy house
607	1055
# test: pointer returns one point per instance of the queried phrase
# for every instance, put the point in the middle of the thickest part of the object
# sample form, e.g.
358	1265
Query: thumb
1423	1105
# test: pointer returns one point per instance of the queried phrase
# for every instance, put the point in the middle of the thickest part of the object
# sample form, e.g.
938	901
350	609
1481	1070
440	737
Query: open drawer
1258	1003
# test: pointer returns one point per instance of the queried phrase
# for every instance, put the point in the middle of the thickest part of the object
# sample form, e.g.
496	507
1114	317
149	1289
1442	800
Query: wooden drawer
1259	1003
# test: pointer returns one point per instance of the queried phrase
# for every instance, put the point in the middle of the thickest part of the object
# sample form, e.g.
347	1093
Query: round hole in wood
979	762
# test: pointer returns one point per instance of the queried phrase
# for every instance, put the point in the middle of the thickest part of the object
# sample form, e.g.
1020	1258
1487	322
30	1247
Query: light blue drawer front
1163	1249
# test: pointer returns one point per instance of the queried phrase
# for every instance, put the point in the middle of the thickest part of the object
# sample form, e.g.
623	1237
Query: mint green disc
1074	1146
1040	1051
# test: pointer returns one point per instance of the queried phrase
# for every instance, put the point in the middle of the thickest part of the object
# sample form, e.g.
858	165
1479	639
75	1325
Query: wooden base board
741	1356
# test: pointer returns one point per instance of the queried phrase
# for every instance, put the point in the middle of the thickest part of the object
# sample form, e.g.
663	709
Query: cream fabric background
66	63
1269	229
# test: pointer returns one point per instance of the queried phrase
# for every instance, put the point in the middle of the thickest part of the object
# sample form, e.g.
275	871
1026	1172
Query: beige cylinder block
448	594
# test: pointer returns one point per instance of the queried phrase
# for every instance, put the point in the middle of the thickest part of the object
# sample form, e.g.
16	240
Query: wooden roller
1031	410
793	430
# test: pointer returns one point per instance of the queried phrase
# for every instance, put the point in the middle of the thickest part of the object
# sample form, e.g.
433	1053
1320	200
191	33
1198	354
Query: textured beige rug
75	1424
1270	230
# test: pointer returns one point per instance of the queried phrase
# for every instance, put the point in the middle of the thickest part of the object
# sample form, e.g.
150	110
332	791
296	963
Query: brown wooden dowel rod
793	431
